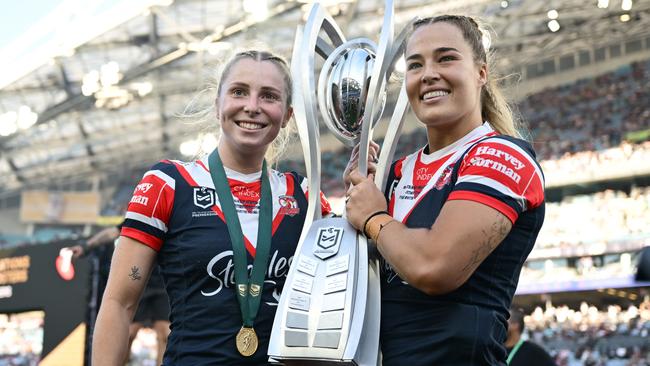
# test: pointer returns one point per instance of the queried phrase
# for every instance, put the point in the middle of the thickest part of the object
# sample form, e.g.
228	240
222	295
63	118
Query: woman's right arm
130	269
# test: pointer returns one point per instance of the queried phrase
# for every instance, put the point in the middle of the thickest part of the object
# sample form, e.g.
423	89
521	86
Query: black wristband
363	228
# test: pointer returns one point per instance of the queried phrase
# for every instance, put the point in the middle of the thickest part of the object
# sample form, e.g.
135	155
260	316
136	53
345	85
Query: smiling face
252	107
443	80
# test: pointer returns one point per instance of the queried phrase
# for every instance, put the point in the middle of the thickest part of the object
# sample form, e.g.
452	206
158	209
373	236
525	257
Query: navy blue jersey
176	211
468	325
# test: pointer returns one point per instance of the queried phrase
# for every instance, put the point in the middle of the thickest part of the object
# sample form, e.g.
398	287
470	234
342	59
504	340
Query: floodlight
553	25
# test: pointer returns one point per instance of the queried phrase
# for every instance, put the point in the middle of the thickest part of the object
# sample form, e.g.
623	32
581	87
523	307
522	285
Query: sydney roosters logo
288	206
445	177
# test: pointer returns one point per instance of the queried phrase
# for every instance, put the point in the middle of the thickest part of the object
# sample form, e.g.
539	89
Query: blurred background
92	93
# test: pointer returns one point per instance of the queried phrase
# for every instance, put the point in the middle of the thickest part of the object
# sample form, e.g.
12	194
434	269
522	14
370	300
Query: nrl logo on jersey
204	197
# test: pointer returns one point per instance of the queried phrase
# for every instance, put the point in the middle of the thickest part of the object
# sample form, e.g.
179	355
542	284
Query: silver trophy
329	311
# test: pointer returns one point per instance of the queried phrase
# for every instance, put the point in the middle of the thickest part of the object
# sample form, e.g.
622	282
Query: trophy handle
304	94
377	84
399	112
390	139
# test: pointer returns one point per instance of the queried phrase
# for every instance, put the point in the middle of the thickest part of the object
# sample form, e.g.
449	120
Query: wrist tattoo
135	274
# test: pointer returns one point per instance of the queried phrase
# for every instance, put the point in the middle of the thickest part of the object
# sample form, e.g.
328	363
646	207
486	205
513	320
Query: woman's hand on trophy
353	164
363	199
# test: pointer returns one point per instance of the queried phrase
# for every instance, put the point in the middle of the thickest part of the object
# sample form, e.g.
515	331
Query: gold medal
246	341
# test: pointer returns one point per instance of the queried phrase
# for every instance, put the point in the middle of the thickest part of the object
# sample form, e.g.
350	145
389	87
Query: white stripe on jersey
151	221
520	151
489	182
197	172
169	180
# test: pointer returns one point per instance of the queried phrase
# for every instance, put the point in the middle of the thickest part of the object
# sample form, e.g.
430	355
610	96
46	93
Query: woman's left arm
438	259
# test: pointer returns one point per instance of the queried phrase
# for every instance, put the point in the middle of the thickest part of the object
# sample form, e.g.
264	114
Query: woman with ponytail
460	215
223	228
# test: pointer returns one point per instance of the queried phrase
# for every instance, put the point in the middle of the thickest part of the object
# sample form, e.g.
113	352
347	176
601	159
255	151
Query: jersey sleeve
326	208
149	211
502	174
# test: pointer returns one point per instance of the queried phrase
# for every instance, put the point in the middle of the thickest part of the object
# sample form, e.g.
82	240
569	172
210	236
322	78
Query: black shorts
152	308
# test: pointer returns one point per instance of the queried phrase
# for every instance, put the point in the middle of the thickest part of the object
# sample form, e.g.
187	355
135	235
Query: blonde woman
223	229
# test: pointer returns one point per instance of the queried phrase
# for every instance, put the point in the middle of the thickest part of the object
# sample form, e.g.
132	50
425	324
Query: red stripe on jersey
247	244
185	174
508	211
203	165
142	237
325	207
397	173
249	247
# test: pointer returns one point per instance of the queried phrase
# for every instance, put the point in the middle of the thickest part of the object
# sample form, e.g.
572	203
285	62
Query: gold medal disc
246	341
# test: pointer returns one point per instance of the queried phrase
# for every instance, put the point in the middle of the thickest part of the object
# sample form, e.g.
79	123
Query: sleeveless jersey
468	325
175	210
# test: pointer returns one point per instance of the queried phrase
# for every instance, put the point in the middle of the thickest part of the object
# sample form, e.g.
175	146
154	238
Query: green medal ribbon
249	290
514	350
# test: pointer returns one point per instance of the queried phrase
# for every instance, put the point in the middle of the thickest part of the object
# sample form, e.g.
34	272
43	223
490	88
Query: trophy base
312	362
324	304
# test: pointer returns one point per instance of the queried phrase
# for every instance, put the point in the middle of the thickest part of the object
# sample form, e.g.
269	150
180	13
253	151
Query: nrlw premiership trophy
329	311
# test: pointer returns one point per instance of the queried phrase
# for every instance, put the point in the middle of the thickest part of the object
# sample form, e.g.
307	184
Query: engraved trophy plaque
329	311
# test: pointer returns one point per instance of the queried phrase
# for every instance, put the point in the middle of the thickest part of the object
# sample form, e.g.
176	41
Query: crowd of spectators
21	339
589	336
591	114
571	274
624	160
594	223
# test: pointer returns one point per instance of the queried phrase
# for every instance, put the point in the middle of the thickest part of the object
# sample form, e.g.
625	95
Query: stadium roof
93	92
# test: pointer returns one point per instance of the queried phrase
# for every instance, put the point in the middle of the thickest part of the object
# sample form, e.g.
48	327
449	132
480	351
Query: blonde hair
495	108
195	113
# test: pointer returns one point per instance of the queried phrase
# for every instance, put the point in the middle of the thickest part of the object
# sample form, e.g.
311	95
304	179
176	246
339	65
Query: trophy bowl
344	84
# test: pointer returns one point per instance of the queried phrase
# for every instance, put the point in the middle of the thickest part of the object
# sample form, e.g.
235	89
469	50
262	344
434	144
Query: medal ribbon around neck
249	290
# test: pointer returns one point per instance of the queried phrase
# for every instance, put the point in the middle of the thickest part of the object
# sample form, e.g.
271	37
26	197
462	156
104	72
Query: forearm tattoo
135	274
491	239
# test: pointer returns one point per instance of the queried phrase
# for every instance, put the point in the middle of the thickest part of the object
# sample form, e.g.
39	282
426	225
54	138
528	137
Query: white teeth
250	125
435	93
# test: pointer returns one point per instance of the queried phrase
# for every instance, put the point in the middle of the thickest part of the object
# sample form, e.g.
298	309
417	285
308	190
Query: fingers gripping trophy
329	310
